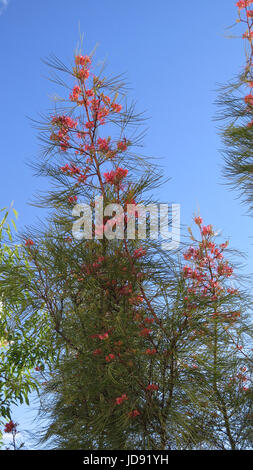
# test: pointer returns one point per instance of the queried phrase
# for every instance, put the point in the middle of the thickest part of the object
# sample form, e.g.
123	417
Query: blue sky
174	54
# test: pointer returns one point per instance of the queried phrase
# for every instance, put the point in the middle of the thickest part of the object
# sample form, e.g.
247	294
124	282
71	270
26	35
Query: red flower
208	230
75	93
65	168
139	253
72	199
152	387
121	399
149	320
82	60
115	177
83	74
29	242
64	122
9	427
103	145
150	352
89	93
198	220
145	332
247	35
97	352
134	413
89	125
249	99
116	107
243	3
103	336
122	145
110	357
82	178
136	299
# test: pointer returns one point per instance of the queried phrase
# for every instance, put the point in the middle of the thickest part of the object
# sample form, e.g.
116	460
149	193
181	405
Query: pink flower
29	242
110	357
72	199
139	252
122	145
89	125
187	271
103	336
121	399
82	60
249	99
247	35
116	107
145	332
97	352
207	230
149	320
134	413
103	145
75	93
198	220
89	93
115	177
243	3
150	352
152	387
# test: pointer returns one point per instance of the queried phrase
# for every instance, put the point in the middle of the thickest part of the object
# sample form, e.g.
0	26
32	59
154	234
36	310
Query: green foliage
24	342
237	136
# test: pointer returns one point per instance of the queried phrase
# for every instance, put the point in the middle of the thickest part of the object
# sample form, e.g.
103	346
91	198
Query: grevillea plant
236	102
146	344
11	429
223	354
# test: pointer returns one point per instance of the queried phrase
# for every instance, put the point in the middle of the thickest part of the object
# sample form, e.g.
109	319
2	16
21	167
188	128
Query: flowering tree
223	355
197	365
144	344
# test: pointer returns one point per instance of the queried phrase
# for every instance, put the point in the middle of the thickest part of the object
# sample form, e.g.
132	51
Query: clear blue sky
175	54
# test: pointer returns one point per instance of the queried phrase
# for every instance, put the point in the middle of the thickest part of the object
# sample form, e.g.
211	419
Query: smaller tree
185	384
222	339
236	104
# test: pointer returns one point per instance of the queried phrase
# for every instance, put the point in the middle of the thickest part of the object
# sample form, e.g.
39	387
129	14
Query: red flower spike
10	426
152	387
120	400
29	242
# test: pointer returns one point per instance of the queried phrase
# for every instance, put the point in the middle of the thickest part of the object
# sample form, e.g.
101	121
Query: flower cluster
29	242
10	427
115	177
80	135
133	413
244	4
208	270
65	125
75	172
120	400
152	387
